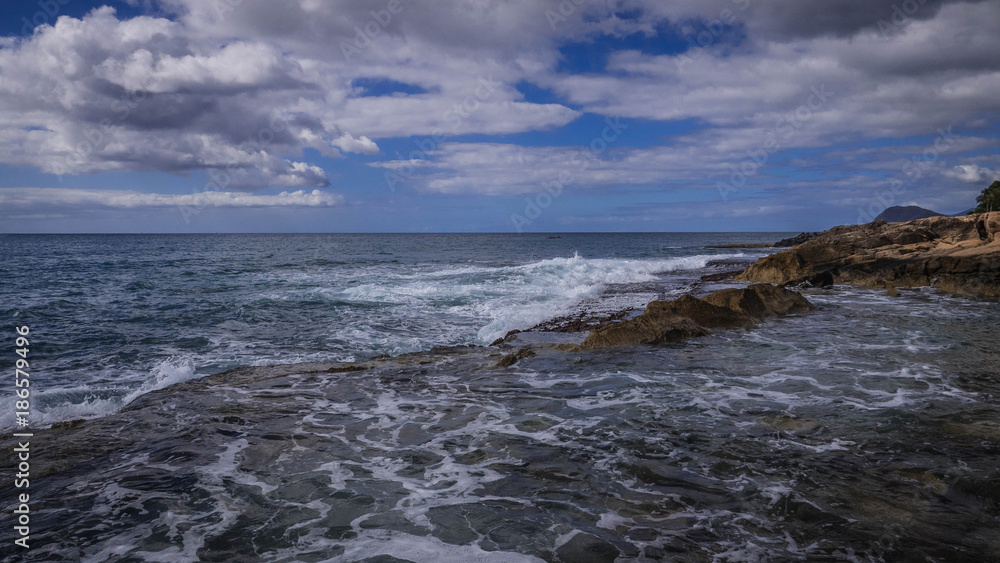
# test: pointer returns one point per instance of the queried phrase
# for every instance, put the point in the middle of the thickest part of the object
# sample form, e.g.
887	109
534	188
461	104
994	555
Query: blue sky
473	115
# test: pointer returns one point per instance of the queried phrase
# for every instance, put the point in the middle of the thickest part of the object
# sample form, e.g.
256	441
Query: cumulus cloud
13	198
246	87
972	173
249	86
937	72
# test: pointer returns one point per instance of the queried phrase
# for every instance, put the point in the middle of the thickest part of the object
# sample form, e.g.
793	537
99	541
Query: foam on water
56	404
350	314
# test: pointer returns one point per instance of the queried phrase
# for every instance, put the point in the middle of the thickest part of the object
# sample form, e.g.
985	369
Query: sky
492	115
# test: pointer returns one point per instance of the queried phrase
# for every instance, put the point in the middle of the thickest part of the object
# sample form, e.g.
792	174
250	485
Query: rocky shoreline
959	255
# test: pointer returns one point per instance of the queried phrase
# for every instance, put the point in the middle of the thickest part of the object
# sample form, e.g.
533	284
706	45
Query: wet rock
643	534
702	312
791	425
585	548
796	240
654	552
505	337
689	317
511	359
925	478
958	255
721	276
581	322
892	292
983	430
660	329
761	301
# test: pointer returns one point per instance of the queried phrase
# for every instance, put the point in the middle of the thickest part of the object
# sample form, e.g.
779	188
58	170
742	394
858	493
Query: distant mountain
900	214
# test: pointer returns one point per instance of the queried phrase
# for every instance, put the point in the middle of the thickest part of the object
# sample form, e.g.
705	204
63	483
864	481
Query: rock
585	548
690	317
958	255
643	534
511	359
653	552
505	337
721	276
892	292
643	330
791	425
761	300
796	240
702	312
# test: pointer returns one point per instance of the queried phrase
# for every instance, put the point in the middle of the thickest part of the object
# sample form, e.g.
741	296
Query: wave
346	315
59	405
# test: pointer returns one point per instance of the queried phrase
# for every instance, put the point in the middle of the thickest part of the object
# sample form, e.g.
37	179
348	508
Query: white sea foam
175	369
372	543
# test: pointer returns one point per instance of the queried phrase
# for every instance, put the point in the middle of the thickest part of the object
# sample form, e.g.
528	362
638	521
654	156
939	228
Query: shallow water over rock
866	430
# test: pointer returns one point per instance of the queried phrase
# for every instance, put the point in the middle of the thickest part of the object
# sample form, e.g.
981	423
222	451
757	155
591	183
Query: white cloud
246	87
67	197
973	174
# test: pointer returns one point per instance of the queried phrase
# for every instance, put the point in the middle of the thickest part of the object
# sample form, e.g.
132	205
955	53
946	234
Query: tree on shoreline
989	200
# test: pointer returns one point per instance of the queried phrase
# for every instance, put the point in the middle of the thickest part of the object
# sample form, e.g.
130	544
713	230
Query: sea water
866	430
115	316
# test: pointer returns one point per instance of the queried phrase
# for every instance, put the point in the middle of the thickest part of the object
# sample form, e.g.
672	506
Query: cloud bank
845	92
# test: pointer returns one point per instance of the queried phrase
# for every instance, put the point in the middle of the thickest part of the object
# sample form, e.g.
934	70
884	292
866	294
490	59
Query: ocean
866	430
119	315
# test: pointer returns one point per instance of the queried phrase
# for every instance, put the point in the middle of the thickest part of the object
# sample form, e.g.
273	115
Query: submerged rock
511	359
958	255
587	548
690	317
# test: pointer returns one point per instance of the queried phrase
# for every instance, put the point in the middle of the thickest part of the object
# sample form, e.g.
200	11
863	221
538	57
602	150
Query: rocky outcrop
796	240
689	317
511	359
760	301
954	254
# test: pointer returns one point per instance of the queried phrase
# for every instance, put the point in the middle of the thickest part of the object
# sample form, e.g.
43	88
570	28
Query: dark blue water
114	316
866	430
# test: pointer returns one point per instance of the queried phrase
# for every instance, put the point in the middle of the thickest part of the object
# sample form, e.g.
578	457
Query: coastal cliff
959	255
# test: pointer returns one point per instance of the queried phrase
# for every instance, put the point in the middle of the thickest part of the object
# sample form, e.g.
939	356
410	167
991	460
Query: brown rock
954	254
702	312
511	359
761	300
690	317
643	330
